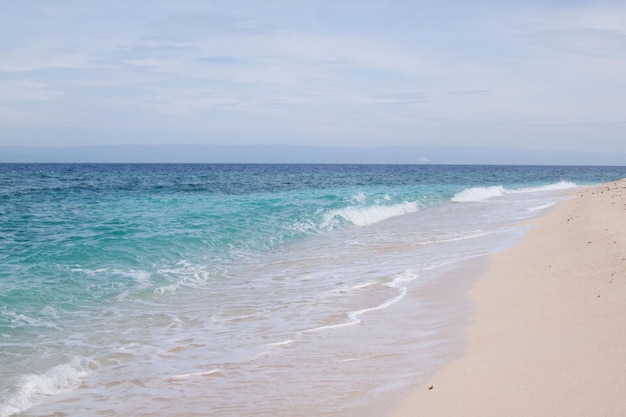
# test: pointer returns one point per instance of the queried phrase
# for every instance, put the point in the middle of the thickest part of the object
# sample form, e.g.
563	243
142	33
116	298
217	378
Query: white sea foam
301	227
22	320
90	272
473	235
478	194
484	193
142	278
186	275
182	377
359	197
383	199
562	185
363	216
280	344
364	285
32	387
166	289
50	311
540	207
353	316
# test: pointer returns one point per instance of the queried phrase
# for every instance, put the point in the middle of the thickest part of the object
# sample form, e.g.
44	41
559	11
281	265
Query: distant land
282	154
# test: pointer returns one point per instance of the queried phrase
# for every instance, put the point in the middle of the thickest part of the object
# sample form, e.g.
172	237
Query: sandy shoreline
549	334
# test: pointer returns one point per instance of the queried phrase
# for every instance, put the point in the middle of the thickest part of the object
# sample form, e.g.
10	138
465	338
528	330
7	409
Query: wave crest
363	216
483	193
59	379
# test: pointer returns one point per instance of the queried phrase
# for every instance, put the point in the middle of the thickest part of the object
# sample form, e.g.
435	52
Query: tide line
353	316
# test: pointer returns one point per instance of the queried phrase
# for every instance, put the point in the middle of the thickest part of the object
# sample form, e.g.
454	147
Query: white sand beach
548	337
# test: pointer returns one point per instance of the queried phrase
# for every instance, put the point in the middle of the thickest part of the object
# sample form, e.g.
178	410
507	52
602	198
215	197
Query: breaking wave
484	193
57	380
363	216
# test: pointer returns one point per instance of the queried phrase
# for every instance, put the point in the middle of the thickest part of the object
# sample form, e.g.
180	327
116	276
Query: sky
527	74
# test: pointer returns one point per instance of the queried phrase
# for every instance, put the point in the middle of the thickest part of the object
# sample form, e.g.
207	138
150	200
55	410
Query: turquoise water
236	290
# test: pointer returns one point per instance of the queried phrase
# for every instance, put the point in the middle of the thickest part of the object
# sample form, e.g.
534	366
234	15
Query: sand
548	337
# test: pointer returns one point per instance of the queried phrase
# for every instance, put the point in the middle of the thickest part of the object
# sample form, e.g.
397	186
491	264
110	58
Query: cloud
591	31
37	58
383	71
26	90
186	102
590	42
183	28
468	92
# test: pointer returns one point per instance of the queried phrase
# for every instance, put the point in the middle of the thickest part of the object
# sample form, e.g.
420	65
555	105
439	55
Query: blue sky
529	74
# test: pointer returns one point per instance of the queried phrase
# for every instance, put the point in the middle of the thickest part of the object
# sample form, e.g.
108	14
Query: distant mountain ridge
433	154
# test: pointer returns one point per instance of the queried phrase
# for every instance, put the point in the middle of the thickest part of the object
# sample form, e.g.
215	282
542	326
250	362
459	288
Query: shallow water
245	290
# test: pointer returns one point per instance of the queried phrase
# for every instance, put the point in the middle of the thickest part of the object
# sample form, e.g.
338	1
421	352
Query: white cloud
181	102
26	90
38	58
397	70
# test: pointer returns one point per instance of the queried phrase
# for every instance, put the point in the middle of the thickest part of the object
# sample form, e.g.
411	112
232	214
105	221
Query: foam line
363	216
353	316
484	193
57	380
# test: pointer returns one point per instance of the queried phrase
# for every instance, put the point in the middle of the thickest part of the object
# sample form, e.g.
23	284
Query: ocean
246	290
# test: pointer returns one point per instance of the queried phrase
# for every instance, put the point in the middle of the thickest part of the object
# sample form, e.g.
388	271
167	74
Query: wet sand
548	337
